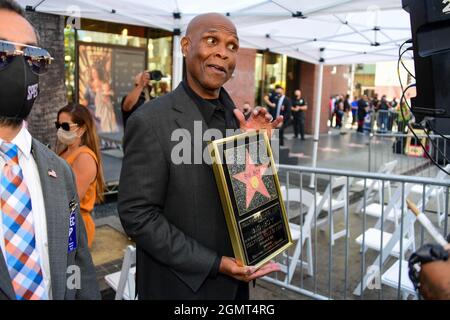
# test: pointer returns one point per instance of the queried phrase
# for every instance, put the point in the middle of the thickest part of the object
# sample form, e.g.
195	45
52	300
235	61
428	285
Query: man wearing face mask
283	107
77	133
140	94
42	237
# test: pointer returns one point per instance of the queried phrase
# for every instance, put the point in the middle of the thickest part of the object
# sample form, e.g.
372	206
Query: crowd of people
363	114
368	114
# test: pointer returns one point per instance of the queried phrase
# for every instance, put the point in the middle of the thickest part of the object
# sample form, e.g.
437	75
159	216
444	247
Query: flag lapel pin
52	173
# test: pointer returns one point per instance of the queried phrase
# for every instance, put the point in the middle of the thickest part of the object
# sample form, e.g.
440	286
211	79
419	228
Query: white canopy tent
319	32
350	31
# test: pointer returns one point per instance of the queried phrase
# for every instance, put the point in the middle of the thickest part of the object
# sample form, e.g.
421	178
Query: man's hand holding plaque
230	267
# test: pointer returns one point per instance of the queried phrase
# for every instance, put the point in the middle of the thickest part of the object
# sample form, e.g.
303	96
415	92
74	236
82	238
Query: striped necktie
21	255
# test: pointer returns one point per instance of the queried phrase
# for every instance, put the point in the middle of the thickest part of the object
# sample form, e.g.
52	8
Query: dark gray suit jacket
58	193
173	212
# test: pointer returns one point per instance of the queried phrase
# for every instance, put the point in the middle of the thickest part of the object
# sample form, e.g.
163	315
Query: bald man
171	209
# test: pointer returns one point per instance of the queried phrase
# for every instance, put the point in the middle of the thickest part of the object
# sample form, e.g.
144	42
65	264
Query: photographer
138	96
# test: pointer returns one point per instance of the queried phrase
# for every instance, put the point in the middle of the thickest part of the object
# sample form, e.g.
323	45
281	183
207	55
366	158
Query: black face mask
19	88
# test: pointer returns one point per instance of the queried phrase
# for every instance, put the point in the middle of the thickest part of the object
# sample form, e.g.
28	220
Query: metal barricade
411	159
352	234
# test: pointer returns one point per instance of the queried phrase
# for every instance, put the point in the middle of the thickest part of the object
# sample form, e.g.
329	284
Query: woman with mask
76	132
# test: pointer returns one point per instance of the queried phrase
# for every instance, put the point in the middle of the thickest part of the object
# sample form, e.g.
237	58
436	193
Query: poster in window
106	75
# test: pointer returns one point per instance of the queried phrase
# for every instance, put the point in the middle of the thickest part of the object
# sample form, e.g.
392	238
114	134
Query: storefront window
122	39
160	58
102	60
69	63
270	71
259	80
275	70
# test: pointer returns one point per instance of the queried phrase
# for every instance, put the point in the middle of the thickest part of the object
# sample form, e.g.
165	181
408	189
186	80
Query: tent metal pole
318	106
352	81
177	63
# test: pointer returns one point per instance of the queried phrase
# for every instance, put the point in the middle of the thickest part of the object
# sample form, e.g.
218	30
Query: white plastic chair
124	279
393	210
340	202
434	193
300	233
374	187
391	276
371	238
389	246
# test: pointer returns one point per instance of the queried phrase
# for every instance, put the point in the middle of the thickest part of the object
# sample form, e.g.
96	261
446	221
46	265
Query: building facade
103	58
258	72
53	94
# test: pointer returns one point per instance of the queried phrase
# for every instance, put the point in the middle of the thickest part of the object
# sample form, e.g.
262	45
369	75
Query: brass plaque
249	189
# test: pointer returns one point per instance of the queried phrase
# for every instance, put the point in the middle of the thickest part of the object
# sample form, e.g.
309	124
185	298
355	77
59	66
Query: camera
155	75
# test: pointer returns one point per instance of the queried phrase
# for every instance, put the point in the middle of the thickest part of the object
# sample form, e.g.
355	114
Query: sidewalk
350	151
339	151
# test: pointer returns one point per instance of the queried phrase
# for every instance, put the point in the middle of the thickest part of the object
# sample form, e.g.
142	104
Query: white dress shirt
279	105
31	177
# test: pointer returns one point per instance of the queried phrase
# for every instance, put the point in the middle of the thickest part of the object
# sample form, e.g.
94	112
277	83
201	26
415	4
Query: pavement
349	150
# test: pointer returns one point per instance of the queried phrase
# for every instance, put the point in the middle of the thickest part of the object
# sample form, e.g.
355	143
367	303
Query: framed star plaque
251	198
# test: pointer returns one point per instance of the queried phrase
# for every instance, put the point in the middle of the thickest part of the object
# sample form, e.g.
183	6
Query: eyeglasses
37	58
65	125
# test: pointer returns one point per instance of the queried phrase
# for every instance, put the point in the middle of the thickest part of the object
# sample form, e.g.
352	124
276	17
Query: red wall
332	84
241	86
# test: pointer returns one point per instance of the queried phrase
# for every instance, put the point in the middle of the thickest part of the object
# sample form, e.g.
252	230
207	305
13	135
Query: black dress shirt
217	113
